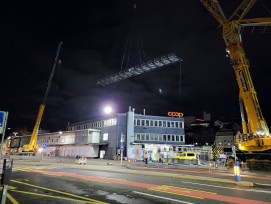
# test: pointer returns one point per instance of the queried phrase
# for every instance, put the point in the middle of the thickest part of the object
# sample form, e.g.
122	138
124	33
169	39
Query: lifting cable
123	57
180	81
265	7
128	49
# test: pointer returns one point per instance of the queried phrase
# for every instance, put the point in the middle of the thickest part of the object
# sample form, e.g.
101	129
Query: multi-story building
225	138
128	133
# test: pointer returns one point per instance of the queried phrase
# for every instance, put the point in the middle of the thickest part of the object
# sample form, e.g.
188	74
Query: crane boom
32	147
256	135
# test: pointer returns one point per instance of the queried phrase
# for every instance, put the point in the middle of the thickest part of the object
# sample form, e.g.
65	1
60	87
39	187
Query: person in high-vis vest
146	157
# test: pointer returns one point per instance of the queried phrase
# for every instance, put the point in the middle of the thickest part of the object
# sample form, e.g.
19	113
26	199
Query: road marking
174	190
56	191
161	197
95	180
12	200
58	197
111	178
253	190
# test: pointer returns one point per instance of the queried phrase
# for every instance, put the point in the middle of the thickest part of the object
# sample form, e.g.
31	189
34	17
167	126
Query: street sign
122	139
2	121
121	147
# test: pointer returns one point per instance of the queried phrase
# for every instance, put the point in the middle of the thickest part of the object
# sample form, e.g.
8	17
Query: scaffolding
140	69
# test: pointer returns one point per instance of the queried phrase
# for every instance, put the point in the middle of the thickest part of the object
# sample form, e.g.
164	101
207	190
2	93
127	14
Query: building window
138	122
164	138
105	137
156	137
160	123
147	123
142	122
151	123
172	124
168	138
160	137
155	123
181	125
134	121
181	138
164	124
142	136
147	136
137	137
151	137
177	138
173	138
176	124
168	124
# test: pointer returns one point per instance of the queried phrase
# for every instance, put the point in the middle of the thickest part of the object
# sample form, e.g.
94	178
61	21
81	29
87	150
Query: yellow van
187	155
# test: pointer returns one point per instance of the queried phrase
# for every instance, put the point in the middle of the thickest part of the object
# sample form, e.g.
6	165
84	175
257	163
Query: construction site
131	134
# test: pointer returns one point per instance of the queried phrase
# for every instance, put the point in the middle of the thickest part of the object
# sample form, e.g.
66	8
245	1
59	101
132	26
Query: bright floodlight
108	110
40	149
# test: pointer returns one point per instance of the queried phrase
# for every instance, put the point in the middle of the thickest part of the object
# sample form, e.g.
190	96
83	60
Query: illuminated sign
175	114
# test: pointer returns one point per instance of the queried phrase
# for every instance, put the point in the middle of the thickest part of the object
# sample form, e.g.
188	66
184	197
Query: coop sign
175	114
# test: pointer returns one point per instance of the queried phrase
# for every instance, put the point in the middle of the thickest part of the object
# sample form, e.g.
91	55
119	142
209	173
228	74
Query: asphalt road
35	182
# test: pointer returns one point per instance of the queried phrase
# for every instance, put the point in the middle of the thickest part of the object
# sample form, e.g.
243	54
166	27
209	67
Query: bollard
210	166
237	171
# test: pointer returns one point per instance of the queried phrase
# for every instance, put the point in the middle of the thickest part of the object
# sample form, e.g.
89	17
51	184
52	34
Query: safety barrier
81	160
180	161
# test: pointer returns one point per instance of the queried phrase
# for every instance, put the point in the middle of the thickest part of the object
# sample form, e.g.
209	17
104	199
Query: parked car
187	155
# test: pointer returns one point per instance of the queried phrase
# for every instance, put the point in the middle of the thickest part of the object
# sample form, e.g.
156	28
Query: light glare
108	110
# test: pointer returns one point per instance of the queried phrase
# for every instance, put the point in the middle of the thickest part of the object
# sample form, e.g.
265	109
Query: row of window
158	123
98	124
56	139
137	122
158	137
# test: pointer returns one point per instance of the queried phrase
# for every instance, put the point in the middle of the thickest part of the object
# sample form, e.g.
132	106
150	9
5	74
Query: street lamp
108	110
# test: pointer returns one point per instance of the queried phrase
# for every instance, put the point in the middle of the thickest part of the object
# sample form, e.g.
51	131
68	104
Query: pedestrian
146	157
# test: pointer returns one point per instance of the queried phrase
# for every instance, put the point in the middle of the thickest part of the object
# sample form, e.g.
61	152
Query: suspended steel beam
140	69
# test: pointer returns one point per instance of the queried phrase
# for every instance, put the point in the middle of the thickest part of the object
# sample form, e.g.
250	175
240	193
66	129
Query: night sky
94	35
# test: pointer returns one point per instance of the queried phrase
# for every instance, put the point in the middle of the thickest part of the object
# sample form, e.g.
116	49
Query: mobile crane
32	147
255	136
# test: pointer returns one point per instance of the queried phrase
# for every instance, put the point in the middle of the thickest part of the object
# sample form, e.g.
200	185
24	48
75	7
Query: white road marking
253	190
161	197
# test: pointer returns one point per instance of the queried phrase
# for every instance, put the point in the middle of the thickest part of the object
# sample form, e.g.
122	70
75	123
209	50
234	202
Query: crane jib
243	81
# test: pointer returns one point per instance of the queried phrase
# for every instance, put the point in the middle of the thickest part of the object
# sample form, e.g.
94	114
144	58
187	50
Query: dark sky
94	35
